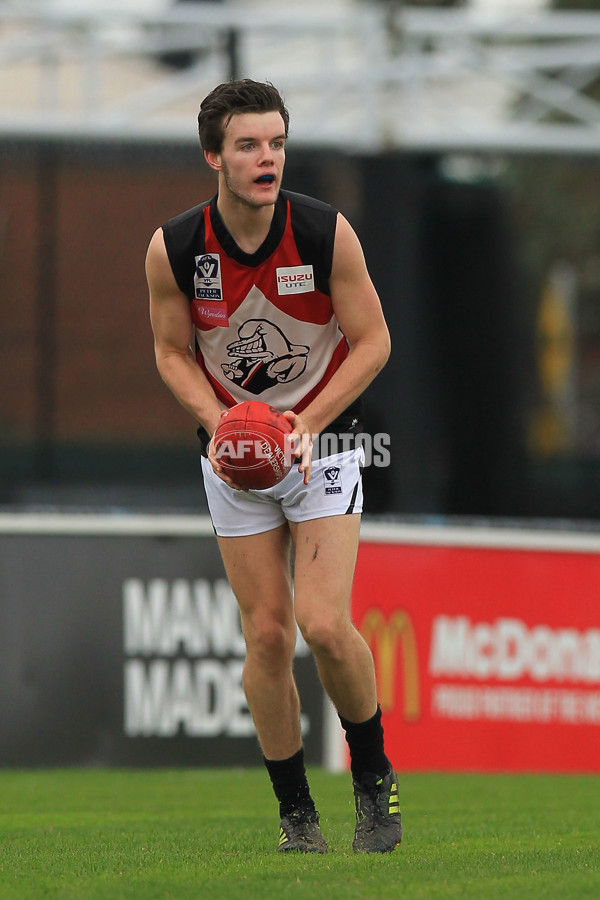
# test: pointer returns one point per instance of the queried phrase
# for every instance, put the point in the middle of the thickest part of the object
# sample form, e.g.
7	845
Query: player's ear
213	160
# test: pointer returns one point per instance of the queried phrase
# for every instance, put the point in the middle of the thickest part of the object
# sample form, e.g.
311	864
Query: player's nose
267	153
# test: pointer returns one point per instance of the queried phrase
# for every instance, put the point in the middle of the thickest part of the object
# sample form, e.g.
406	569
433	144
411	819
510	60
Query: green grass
119	835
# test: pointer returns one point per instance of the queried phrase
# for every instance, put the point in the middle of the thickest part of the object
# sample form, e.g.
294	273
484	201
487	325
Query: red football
250	445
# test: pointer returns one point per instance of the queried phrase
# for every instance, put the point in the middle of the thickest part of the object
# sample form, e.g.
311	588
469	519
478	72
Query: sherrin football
250	445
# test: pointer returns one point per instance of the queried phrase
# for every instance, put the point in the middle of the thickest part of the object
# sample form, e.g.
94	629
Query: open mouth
265	179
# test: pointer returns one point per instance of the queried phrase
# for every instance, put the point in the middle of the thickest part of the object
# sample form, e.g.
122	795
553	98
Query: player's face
252	158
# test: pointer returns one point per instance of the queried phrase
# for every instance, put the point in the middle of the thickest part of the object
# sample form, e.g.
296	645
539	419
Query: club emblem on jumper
333	480
263	357
207	277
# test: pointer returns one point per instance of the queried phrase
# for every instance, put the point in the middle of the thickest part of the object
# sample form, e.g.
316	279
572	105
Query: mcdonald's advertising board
487	657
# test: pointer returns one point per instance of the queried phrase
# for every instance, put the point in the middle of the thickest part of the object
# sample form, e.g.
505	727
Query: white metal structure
354	76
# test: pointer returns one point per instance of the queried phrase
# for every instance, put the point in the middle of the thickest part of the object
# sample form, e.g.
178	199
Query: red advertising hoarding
487	657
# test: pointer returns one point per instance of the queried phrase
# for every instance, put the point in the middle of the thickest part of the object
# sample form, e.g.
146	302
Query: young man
216	274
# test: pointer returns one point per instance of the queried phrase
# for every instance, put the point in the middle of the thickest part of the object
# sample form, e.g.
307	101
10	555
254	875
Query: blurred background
462	141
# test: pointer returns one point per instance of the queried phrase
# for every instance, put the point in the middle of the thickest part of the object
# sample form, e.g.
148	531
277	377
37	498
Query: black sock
288	777
365	742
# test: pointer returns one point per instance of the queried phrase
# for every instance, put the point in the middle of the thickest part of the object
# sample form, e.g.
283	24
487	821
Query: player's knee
325	635
269	643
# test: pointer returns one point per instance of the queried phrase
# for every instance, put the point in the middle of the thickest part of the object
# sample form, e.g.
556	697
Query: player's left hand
301	441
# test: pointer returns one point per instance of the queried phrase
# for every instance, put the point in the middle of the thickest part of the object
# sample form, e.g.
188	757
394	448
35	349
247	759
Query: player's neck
248	225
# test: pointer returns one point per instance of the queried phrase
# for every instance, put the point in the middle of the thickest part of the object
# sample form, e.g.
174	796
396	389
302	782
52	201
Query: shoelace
373	814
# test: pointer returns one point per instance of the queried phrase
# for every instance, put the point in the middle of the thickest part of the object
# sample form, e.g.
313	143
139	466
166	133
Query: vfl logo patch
207	277
332	477
295	280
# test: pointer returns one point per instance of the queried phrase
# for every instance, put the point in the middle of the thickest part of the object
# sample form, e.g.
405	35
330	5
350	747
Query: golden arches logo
383	636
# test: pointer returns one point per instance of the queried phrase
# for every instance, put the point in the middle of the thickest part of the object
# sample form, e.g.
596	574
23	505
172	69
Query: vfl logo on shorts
332	477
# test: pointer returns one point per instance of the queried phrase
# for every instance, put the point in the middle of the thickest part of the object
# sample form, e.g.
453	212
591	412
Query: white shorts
334	489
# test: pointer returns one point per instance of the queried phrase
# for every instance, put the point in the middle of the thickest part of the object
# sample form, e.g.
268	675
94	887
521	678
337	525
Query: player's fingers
217	468
210	452
301	442
228	480
299	432
305	447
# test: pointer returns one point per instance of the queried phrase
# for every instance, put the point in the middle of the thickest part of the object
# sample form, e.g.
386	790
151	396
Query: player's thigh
258	569
325	558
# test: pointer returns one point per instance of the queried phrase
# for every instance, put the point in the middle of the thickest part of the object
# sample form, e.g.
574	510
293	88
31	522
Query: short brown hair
242	96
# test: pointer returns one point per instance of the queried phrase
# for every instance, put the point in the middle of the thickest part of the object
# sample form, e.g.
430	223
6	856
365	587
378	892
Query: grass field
107	835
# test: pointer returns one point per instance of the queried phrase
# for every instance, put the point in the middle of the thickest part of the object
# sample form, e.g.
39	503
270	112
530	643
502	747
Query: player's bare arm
173	328
358	310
